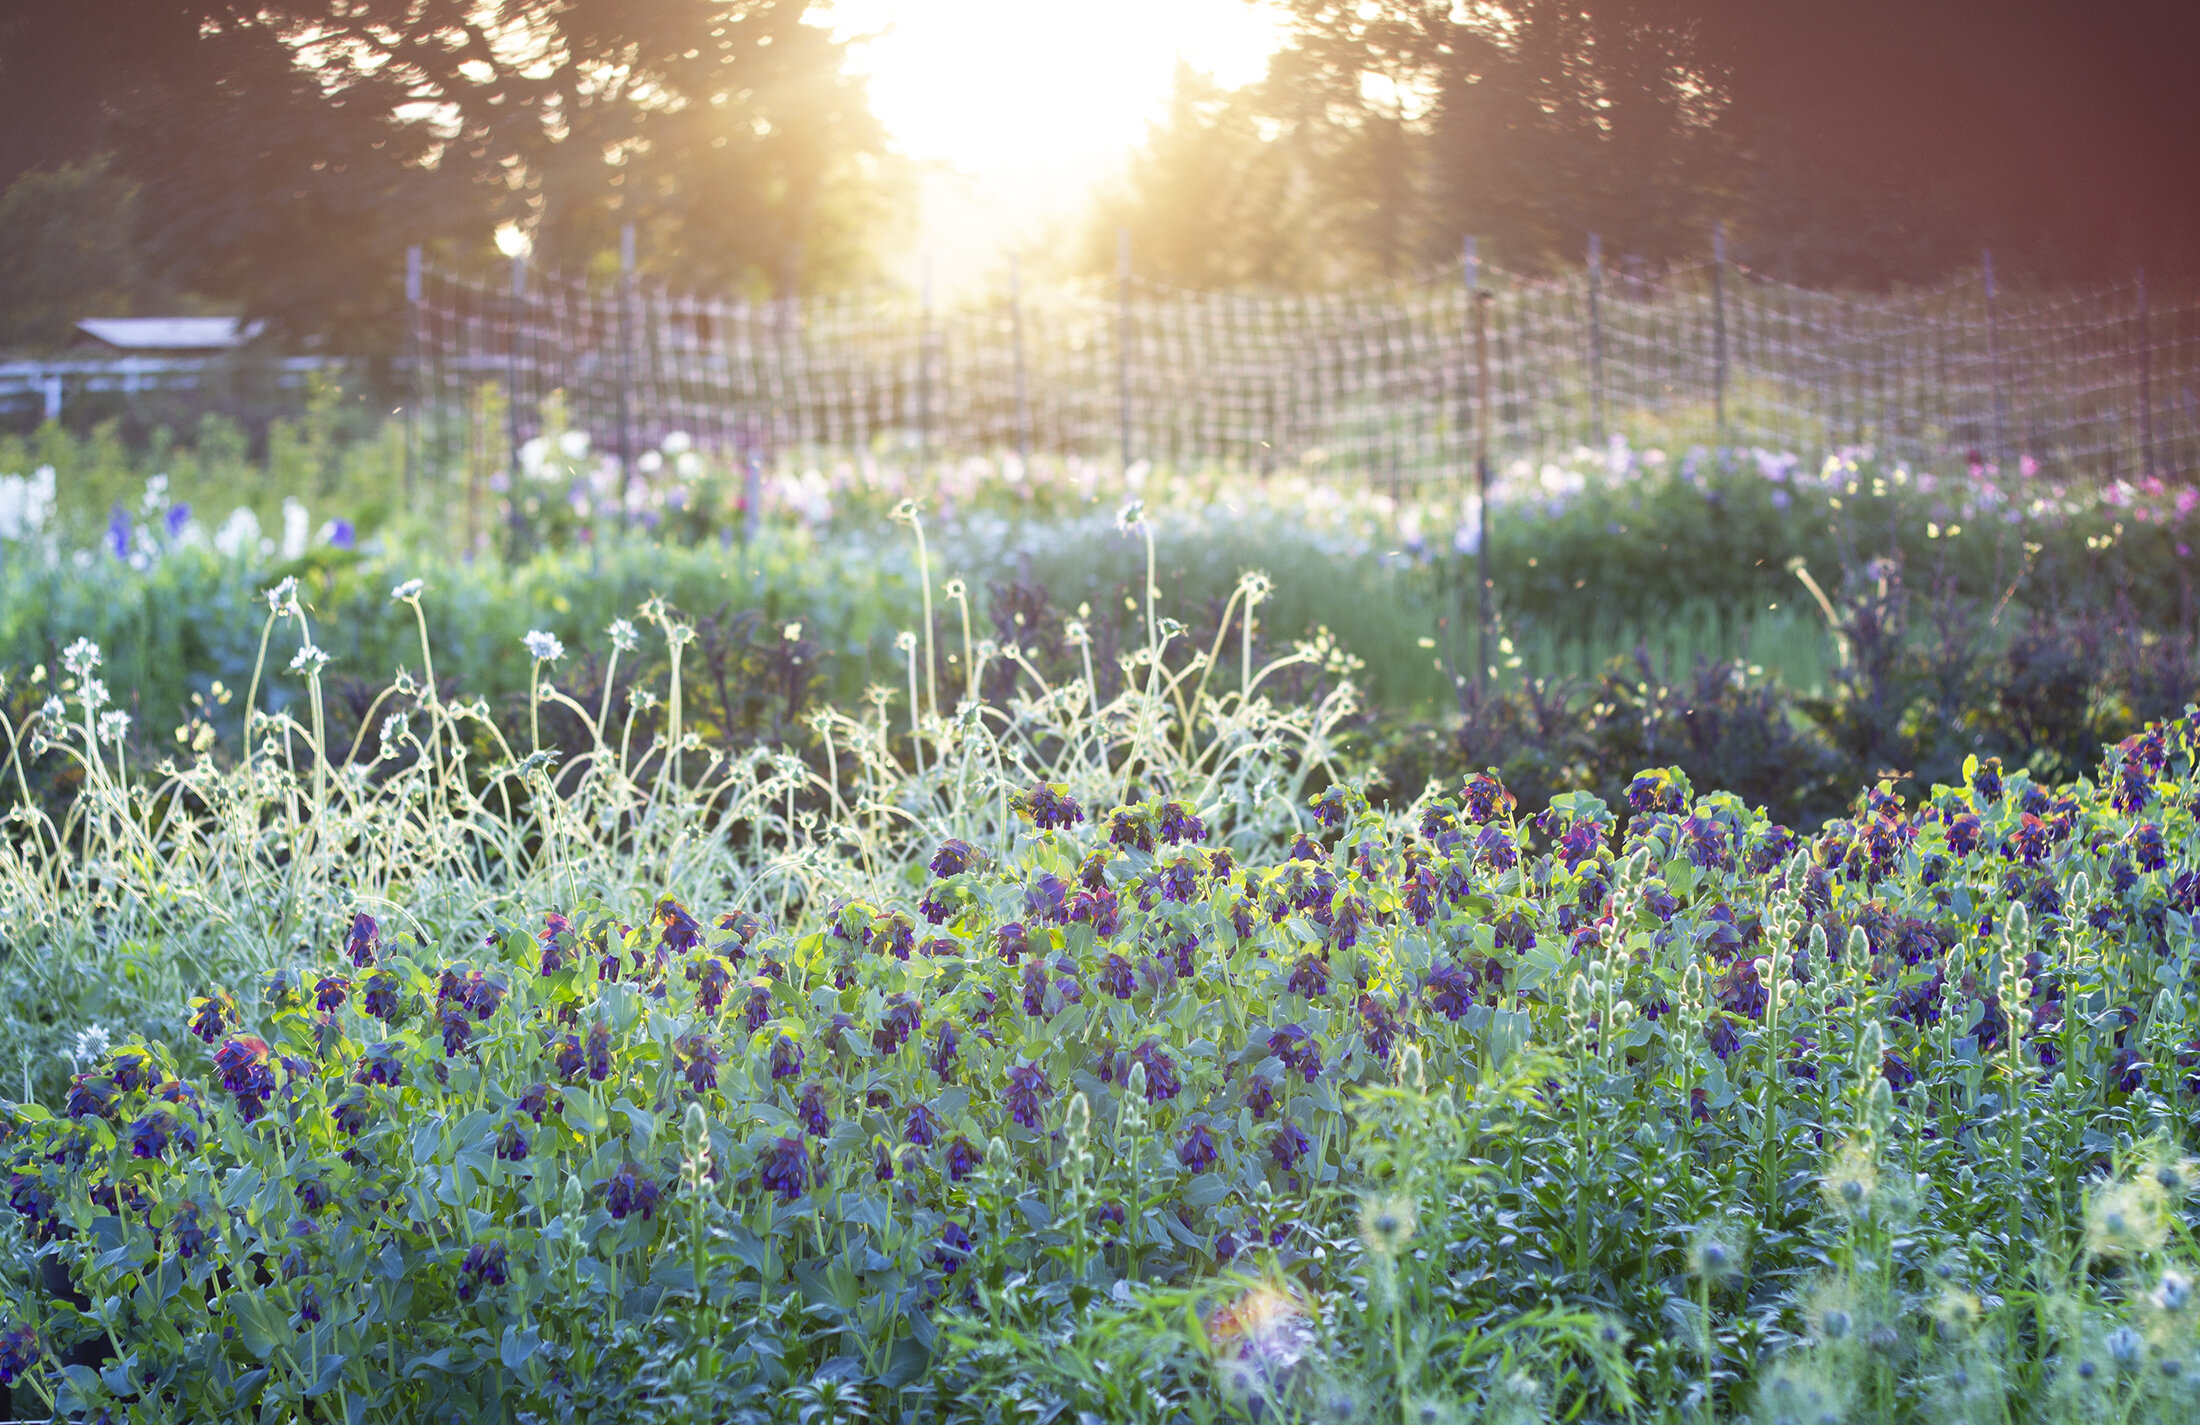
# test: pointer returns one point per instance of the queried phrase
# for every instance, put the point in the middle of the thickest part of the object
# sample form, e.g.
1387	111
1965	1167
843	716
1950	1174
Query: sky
1019	108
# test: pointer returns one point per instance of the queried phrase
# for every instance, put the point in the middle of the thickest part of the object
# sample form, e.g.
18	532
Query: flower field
1065	1024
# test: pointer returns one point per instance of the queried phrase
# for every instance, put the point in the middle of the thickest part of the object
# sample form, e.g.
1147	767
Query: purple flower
1494	844
349	1113
1178	824
1117	978
1027	1085
712	981
1162	1083
2148	849
1197	1150
151	1134
213	1015
1099	908
811	1110
629	1191
1986	780
1381	1024
923	1128
93	1096
944	1050
1450	990
314	1195
786	1057
756	1008
379	1065
698	1056
19	1351
678	930
1657	791
1580	843
483	1267
1310	980
953	858
599	1051
1180	883
1288	1145
118	531
1044	897
954	1248
1047	806
903	1018
330	992
363	940
1298	1051
1260	1096
1035	989
1010	942
246	1067
384	998
1130	826
457	1031
962	1160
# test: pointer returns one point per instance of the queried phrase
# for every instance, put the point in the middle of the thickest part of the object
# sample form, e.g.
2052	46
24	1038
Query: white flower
623	636
112	726
297	524
80	657
573	444
237	535
52	710
791	632
410	589
678	443
649	462
94	693
543	647
1131	516
283	598
308	660
92	1043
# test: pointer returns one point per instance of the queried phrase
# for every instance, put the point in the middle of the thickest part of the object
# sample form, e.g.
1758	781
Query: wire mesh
1370	383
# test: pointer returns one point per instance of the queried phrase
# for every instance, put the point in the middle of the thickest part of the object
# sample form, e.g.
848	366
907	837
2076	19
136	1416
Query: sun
1030	103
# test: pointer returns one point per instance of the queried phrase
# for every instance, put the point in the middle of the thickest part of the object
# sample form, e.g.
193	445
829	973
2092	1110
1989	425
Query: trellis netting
1376	383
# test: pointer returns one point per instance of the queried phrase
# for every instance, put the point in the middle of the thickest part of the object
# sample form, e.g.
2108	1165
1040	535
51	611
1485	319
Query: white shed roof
169	333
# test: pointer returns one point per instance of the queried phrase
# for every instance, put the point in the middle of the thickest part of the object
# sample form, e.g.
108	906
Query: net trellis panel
1376	382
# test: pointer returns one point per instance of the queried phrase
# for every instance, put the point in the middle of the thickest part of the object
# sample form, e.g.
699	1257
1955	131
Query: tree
286	151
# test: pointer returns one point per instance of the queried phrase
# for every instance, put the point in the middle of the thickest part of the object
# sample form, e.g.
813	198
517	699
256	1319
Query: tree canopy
281	154
1869	142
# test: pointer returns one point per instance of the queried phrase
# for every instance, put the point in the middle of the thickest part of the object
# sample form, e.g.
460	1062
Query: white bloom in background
678	443
297	525
410	589
687	464
112	727
26	503
80	657
623	636
155	498
1468	537
534	459
573	444
308	660
649	462
791	632
238	535
543	647
92	1044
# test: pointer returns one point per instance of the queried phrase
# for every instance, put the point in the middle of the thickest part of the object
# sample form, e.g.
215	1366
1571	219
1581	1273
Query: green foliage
1241	1096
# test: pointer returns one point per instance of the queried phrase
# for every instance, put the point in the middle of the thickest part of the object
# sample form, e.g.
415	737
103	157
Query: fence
1376	383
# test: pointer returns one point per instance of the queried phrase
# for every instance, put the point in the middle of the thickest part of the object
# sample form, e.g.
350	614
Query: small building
165	336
